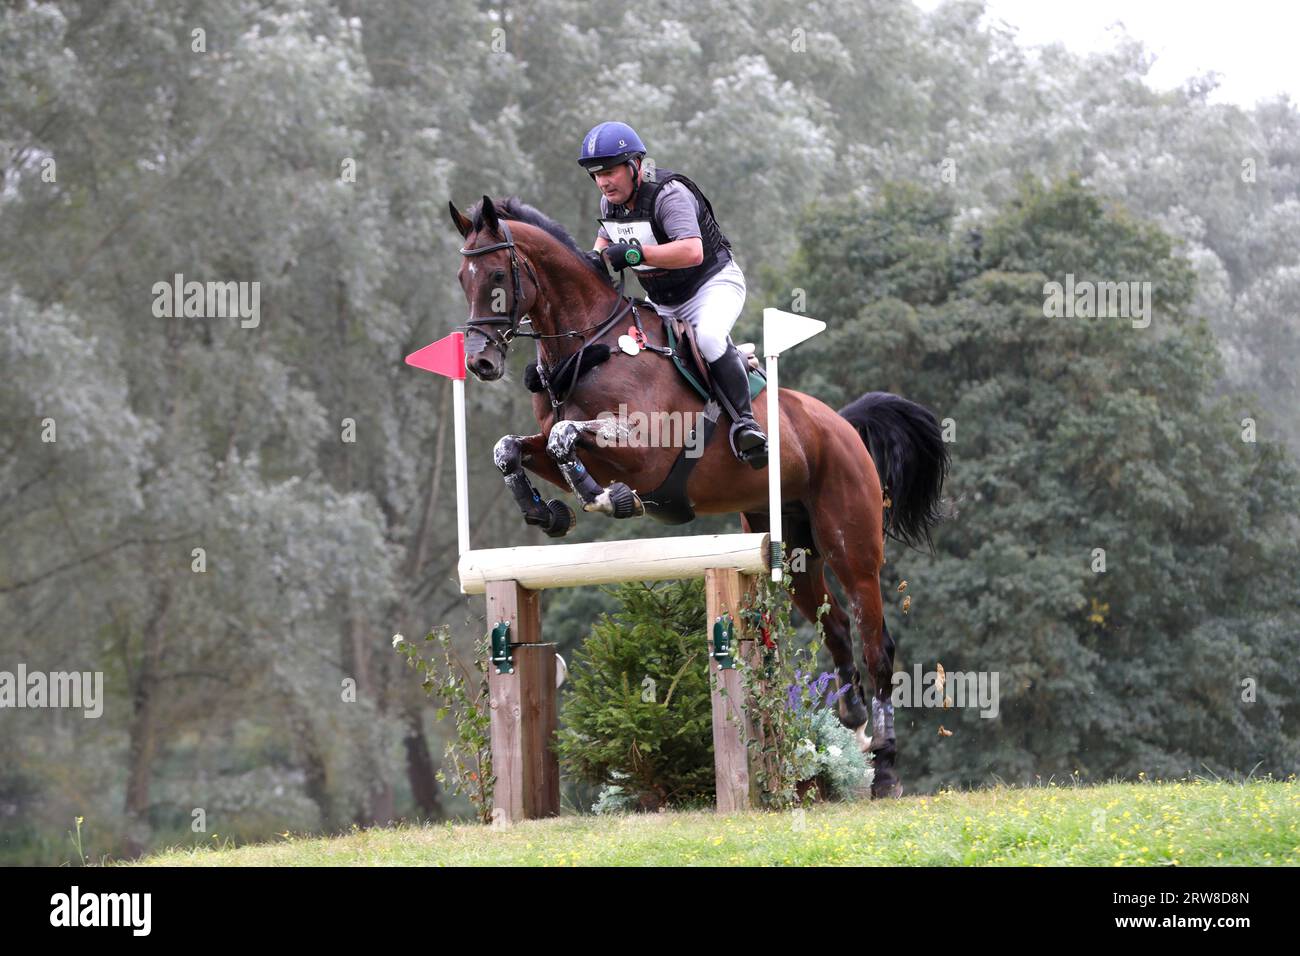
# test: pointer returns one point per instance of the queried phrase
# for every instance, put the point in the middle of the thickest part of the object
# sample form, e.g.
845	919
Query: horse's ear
463	225
490	214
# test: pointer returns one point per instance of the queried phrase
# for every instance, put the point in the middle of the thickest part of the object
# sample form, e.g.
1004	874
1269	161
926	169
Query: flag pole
447	357
774	468
462	467
781	331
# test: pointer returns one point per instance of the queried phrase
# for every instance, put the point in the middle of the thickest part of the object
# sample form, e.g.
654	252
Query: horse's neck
571	301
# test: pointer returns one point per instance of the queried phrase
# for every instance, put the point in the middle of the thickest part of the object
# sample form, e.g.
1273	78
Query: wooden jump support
522	672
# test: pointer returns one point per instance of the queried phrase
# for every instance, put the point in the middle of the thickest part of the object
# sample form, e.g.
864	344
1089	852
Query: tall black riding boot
732	378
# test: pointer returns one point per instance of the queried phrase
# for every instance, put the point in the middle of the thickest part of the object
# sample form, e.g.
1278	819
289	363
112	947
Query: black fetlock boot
732	378
884	749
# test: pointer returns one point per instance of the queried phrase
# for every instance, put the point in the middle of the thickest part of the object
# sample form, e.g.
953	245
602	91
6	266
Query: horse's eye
498	275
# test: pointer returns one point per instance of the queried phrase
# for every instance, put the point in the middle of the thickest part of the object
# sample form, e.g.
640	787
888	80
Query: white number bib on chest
638	232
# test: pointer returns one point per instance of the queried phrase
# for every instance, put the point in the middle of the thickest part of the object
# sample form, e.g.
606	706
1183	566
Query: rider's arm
676	208
678	254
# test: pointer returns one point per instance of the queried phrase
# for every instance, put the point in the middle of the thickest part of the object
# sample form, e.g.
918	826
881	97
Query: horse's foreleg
510	455
618	500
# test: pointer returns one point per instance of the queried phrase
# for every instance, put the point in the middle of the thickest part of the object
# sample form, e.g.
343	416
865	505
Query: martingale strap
535	373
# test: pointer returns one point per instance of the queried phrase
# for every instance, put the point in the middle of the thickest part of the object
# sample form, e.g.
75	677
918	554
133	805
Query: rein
557	392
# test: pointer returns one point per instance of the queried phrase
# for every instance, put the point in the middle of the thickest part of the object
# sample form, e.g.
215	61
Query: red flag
443	357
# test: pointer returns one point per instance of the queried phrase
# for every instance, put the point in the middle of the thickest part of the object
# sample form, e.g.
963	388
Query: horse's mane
512	207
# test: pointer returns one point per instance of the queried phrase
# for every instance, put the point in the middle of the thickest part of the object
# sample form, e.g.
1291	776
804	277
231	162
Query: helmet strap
636	180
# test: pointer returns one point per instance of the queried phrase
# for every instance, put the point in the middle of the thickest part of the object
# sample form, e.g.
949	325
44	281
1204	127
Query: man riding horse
521	267
661	225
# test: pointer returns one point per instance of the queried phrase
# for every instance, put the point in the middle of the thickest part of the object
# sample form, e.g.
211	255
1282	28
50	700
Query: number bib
636	232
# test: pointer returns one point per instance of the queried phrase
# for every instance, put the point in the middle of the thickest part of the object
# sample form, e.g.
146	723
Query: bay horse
519	265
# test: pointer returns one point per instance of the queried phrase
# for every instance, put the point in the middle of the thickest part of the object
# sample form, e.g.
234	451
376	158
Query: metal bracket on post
723	631
501	655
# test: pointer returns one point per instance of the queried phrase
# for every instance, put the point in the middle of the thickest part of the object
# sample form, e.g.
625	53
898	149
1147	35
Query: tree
1068	435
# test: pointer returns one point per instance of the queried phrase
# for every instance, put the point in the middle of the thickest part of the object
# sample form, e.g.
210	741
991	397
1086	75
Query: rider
660	223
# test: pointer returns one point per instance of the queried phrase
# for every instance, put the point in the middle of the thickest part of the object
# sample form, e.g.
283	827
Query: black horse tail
906	443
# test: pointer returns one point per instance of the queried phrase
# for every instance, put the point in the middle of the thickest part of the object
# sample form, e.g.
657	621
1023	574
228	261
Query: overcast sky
1252	43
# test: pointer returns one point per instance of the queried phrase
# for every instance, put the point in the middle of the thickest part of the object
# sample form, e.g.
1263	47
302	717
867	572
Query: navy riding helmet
608	145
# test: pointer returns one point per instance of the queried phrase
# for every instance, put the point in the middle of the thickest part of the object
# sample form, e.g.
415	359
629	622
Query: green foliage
614	797
766	673
1069	435
463	694
639	715
842	767
623	731
798	736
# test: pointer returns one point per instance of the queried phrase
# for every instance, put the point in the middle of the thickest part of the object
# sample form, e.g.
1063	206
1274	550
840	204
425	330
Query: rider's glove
623	254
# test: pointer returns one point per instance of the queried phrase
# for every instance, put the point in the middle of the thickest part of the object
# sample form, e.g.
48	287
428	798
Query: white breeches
713	310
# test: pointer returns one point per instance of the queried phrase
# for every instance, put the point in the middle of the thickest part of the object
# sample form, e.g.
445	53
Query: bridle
556	391
516	291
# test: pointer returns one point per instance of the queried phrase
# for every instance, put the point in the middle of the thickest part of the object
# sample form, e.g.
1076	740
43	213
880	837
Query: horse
836	467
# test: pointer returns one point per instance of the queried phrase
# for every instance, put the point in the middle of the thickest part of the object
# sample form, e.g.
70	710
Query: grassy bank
1184	824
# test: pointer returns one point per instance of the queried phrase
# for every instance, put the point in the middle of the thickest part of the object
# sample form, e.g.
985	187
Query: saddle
684	333
681	339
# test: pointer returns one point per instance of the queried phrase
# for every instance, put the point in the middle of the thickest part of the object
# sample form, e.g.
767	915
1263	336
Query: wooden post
523	701
523	710
725	589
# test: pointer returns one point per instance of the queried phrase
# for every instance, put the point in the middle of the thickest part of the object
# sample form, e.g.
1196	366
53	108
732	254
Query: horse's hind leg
884	748
862	582
850	536
808	592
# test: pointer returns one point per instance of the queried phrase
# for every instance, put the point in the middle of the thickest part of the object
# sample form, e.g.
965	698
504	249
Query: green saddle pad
757	381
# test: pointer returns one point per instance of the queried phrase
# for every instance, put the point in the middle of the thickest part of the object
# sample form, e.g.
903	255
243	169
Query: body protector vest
639	226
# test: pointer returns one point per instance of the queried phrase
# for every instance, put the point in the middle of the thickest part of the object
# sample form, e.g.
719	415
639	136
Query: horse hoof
563	519
624	501
853	712
888	790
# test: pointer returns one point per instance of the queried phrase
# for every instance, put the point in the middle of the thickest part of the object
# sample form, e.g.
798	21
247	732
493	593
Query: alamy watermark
130	910
82	690
208	300
928	689
1098	300
655	429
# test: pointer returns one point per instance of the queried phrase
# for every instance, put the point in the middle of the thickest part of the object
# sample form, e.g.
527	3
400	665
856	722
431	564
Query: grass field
1152	824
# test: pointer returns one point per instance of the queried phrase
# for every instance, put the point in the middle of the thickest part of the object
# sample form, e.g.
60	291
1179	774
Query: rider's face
615	184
